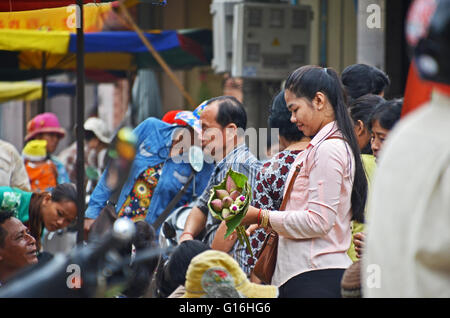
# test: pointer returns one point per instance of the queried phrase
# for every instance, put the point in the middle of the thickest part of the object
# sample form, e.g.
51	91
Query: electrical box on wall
222	12
270	40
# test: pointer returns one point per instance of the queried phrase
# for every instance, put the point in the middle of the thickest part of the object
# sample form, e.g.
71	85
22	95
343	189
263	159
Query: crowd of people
369	191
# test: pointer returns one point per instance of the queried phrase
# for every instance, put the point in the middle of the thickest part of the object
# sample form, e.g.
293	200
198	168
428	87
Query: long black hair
61	193
362	79
361	109
172	273
305	82
142	273
387	113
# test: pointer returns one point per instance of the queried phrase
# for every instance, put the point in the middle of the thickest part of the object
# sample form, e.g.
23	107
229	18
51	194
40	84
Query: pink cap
44	123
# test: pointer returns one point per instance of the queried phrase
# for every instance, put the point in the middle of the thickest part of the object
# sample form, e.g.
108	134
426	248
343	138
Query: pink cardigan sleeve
324	194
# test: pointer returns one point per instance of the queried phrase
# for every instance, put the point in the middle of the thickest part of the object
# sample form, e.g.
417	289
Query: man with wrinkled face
223	123
17	246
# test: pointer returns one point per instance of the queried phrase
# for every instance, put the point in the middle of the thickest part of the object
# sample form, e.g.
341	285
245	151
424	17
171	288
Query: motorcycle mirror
196	158
124	229
169	231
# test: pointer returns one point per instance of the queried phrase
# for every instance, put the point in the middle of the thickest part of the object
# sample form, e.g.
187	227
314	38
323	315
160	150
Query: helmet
428	34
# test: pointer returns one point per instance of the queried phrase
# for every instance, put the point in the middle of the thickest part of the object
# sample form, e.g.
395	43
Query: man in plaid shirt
223	120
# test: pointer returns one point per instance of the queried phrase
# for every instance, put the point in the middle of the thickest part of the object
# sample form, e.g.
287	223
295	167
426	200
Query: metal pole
80	122
44	85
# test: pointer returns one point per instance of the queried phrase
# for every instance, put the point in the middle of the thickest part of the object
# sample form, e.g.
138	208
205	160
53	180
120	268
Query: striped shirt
240	160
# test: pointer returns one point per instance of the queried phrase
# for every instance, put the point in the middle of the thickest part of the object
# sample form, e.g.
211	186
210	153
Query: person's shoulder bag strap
291	184
162	217
294	176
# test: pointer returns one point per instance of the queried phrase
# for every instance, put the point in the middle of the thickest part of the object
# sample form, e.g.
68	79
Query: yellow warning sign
275	42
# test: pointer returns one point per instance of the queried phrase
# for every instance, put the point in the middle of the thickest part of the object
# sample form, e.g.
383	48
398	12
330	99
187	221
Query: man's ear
231	127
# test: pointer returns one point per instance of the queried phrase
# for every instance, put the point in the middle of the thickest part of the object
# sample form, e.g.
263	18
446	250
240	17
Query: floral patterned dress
137	203
268	193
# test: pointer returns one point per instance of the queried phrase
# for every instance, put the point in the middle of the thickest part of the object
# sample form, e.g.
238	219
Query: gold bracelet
262	218
265	219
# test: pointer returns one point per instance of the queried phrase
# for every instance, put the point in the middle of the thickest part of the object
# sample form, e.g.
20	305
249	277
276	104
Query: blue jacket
63	176
153	145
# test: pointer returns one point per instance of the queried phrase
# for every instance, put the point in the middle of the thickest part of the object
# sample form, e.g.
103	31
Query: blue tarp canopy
54	89
125	41
113	53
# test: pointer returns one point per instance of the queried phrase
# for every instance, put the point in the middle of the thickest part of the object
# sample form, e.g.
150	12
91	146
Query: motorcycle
173	227
101	268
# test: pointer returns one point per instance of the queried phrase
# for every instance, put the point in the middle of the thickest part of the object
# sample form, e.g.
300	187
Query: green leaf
234	223
247	242
238	178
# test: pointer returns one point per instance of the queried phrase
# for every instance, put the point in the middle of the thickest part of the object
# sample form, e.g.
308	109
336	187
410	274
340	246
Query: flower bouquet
229	202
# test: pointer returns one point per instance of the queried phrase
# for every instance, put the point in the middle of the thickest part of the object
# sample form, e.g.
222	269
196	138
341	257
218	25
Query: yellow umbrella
20	90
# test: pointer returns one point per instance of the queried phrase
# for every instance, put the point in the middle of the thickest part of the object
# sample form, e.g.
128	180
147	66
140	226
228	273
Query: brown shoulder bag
267	255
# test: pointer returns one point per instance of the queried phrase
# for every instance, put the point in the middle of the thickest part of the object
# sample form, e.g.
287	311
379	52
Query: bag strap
294	176
291	184
162	217
336	137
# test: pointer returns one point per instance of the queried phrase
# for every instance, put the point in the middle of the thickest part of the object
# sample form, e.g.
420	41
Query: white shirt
408	238
12	169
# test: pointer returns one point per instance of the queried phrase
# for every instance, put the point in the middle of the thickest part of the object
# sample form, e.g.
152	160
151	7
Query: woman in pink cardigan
329	192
